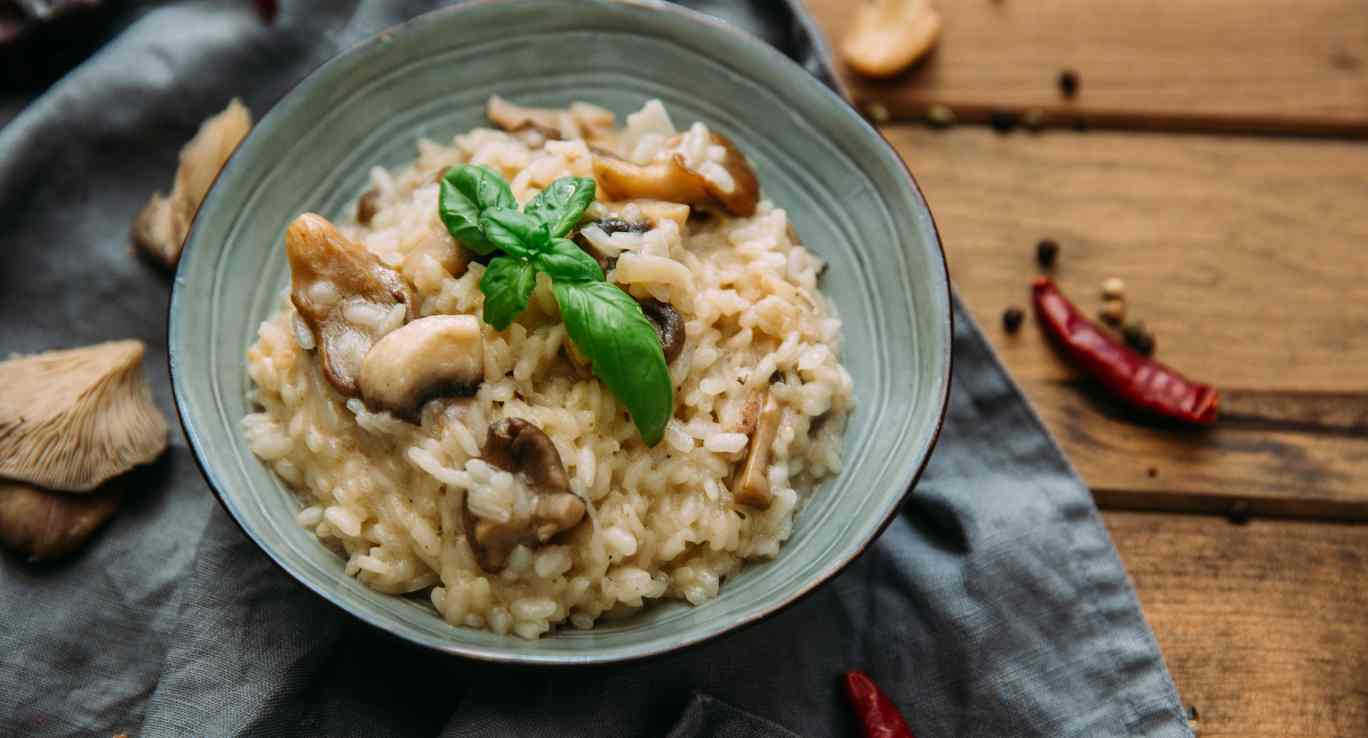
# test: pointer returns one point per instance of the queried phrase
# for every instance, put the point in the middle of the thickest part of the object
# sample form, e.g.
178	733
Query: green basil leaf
507	284
467	191
607	325
563	261
561	205
516	233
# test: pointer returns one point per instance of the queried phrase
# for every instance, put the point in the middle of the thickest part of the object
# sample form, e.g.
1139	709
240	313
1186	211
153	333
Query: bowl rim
479	653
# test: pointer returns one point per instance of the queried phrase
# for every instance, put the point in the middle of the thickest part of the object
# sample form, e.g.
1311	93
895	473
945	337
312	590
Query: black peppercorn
1002	121
1138	338
1068	83
1011	319
1046	252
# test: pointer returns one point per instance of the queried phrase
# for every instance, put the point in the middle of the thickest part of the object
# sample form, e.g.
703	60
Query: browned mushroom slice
160	228
69	420
744	192
44	525
663	179
751	485
608	226
519	447
672	179
669	327
367	206
430	357
581	120
342	292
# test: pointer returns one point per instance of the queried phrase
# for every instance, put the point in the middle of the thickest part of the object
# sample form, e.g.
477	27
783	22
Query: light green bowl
846	191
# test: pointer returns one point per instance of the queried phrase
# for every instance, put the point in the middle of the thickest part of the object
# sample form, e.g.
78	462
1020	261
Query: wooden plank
1264	626
1232	65
1245	257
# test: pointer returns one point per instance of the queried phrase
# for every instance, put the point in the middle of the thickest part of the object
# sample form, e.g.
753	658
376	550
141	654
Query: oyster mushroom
430	357
887	36
519	447
45	525
160	228
671	178
669	327
69	420
344	294
751	485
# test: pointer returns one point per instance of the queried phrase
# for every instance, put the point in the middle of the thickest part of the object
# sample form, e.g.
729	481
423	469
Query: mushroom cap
48	525
69	420
432	356
887	36
520	447
160	227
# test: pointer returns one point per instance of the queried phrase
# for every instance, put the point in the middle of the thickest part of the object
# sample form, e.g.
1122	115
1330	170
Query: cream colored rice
388	494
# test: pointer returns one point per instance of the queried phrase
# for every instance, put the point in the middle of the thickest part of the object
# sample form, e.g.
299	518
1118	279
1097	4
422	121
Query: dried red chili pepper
1142	382
878	715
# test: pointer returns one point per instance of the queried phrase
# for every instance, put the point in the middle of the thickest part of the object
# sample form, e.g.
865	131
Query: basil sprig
606	324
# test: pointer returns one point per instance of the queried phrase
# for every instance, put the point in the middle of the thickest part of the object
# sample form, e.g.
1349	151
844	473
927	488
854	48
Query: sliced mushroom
367	206
44	525
669	327
430	357
160	228
887	36
519	447
751	484
650	213
608	226
69	420
744	193
335	283
670	178
581	120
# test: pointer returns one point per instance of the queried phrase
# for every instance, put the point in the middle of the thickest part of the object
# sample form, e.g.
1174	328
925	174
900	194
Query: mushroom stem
751	485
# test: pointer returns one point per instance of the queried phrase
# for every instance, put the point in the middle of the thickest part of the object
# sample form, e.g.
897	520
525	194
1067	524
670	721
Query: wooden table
1217	175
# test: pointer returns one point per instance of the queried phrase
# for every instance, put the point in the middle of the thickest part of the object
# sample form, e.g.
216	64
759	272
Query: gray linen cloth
994	605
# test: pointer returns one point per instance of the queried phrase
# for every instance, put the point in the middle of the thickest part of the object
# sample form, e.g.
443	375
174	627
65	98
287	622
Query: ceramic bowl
848	195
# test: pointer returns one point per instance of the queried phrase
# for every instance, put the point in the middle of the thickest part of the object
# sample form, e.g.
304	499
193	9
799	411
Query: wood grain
1244	256
1233	65
1264	626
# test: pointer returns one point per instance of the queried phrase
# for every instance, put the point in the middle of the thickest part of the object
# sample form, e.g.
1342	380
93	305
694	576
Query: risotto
528	433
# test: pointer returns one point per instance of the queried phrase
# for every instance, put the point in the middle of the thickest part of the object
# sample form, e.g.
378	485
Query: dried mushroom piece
69	420
751	485
887	36
43	525
517	446
160	228
428	358
672	179
344	294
